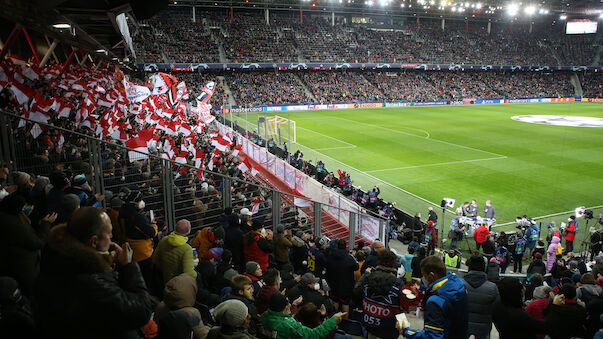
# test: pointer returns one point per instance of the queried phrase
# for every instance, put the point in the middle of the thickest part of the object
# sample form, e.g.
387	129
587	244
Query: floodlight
100	51
563	17
478	5
601	16
580	211
530	10
62	26
513	9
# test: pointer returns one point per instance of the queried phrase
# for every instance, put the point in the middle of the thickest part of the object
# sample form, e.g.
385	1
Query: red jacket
480	234
252	250
536	306
570	231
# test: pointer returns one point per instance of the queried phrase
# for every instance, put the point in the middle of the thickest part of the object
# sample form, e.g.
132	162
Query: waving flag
255	170
135	93
220	143
138	144
236	150
245	166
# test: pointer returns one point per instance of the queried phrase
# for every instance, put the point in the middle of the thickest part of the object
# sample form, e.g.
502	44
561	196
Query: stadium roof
91	25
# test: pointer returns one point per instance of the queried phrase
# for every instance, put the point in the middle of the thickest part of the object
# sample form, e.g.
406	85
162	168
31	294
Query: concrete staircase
577	86
230	98
306	89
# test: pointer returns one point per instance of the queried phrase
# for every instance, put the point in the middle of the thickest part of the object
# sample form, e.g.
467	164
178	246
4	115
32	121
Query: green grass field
419	155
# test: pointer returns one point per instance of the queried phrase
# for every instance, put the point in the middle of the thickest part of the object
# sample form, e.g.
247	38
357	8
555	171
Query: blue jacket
407	261
446	312
341	266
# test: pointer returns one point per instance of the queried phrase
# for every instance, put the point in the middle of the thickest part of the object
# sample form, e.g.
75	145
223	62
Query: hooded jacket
446	313
550	253
78	295
481	295
341	268
283	326
179	294
174	256
480	234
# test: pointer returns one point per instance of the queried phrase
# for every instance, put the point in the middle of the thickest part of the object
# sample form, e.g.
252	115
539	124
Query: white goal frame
272	126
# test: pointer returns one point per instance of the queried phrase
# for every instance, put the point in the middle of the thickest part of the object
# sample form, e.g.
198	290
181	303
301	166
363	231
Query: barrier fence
173	191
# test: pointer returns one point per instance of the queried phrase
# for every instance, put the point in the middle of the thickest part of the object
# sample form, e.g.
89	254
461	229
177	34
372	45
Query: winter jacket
493	272
179	294
341	266
480	234
281	248
139	231
566	321
233	240
263	298
536	307
489	248
446	314
570	231
481	296
586	292
317	261
310	295
174	256
257	248
372	260
254	324
203	241
222	333
78	295
550	253
20	249
283	326
515	323
536	266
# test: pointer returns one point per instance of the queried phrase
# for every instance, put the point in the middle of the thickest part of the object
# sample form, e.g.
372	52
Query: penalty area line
437	164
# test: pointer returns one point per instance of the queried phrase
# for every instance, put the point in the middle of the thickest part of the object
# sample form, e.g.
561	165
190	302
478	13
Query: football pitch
419	155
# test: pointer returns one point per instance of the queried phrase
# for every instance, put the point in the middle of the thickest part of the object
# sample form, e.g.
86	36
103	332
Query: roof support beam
49	52
68	60
33	50
14	34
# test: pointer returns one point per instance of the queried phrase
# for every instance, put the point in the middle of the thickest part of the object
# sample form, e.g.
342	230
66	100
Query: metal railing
173	191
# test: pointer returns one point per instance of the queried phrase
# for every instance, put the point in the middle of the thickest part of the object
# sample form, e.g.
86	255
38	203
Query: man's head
430	208
377	246
279	303
342	244
246	213
272	277
432	268
466	203
387	258
473	202
476	263
91	226
183	227
308	279
488	203
232	313
253	268
241	285
451	252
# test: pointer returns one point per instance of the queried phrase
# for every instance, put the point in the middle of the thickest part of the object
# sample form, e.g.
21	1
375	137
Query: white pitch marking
326	136
418	136
547	216
438	164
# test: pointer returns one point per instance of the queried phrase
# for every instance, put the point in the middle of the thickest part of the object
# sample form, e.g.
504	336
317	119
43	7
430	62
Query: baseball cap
246	211
309	278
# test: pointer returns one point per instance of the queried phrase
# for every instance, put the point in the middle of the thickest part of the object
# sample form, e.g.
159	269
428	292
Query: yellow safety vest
451	261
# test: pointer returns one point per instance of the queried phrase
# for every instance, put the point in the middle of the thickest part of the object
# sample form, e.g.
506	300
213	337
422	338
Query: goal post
281	129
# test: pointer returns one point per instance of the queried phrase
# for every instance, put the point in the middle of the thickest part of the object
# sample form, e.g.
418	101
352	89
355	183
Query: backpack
559	250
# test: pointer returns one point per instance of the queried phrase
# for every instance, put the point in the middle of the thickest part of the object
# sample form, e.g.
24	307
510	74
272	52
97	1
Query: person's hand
323	310
99	197
298	300
122	254
339	315
11	188
559	299
50	218
284	291
369	269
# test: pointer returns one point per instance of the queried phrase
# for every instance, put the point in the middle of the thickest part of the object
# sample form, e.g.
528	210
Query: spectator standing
341	266
431	237
207	238
316	258
511	321
489	210
309	291
432	216
532	237
569	233
179	294
173	255
242	290
139	232
493	270
257	247
480	235
473	210
272	285
372	259
77	261
21	243
282	242
233	240
565	317
417	227
233	319
381	292
489	247
552	251
416	263
481	296
520	245
446	313
596	240
451	259
588	289
543	295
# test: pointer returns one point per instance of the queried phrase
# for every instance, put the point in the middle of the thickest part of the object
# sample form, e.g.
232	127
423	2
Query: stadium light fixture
478	5
601	16
530	10
512	9
61	26
563	17
101	51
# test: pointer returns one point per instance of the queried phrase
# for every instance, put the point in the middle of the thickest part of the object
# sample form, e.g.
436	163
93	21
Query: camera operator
596	240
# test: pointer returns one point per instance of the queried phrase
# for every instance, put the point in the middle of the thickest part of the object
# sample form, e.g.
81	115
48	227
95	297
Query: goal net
280	129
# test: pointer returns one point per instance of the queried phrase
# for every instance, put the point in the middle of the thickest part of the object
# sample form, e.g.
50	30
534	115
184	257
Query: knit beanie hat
116	203
70	203
79	179
232	313
8	286
183	227
21	178
251	267
538	255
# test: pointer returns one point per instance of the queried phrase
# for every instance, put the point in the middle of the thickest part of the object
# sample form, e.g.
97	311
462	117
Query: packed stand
182	40
592	84
266	88
330	87
147	48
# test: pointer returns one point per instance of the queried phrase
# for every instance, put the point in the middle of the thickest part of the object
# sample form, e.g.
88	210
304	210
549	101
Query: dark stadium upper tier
243	37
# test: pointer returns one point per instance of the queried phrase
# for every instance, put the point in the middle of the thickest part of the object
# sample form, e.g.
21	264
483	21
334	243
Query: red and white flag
36	130
140	145
245	166
21	92
199	155
236	150
220	143
255	170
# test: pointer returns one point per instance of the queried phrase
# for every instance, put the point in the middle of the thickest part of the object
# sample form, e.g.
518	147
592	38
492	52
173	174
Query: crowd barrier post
94	150
352	230
7	150
226	192
168	196
317	218
276	209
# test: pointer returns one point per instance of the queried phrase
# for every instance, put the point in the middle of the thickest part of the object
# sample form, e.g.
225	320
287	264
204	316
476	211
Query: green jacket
285	327
173	256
